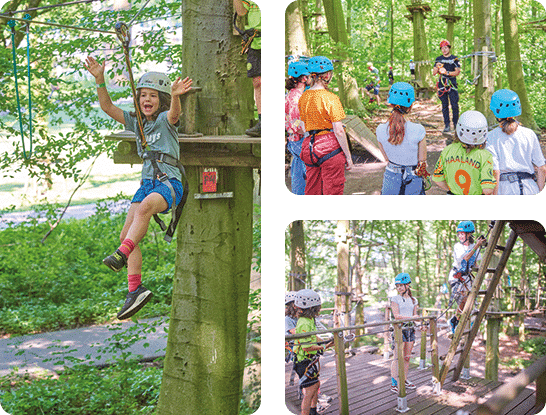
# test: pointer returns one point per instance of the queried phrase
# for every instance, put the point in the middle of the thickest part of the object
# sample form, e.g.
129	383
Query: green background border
280	207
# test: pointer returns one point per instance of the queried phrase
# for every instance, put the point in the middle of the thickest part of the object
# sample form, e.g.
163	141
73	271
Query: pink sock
134	281
127	247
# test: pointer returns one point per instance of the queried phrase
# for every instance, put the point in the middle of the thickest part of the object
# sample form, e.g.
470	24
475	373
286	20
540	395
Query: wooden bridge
369	380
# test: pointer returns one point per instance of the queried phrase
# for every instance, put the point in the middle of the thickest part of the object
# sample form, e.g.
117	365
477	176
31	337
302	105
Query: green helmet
155	80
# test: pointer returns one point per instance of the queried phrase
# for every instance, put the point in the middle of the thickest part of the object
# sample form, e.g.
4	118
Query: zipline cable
66	26
136	15
9	14
11	23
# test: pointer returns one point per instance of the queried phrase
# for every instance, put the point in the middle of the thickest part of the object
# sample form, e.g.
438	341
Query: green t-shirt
254	21
465	173
304	325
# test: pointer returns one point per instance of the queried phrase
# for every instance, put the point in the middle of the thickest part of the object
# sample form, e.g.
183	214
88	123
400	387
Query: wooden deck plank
368	378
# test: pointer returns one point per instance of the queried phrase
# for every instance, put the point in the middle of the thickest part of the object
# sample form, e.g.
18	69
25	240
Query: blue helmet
466	226
402	278
505	103
401	93
320	64
297	69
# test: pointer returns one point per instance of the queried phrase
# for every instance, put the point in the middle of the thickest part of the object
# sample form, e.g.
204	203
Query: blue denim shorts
148	187
408	335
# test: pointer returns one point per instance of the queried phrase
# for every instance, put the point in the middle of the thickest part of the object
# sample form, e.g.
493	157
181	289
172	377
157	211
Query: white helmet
289	297
155	80
472	128
307	298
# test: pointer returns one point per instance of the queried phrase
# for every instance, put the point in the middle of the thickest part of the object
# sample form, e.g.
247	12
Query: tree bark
348	88
298	275
423	69
211	56
482	43
206	346
514	67
295	37
343	298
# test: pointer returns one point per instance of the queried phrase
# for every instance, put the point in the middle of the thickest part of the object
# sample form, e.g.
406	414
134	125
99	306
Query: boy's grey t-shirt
161	136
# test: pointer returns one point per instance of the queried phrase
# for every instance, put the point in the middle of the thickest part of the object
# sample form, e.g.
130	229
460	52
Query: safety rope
11	23
123	34
142	8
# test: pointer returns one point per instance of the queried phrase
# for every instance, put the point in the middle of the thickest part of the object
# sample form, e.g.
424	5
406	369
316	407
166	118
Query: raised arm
178	88
106	104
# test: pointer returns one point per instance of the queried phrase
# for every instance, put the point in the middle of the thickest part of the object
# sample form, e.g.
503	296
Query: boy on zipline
159	105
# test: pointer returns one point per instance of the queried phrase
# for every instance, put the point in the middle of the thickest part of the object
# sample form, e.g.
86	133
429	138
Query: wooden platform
368	378
198	150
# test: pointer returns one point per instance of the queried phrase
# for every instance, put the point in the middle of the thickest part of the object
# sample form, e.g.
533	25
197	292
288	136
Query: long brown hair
310	312
321	77
509	125
397	124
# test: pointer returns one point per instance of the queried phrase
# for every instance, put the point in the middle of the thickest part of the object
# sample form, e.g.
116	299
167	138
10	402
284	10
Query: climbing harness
155	157
518	176
465	266
11	23
408	174
247	35
317	161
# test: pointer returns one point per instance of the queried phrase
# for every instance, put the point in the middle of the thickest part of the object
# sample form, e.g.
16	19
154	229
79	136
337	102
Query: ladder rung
491	270
500	247
459	351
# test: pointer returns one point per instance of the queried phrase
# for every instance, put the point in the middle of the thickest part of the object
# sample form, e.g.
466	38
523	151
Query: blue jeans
297	168
397	184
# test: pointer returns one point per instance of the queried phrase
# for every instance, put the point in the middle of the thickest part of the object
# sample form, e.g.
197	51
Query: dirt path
367	176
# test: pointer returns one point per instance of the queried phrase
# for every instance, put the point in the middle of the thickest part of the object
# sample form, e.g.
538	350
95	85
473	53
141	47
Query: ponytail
509	125
397	125
292	82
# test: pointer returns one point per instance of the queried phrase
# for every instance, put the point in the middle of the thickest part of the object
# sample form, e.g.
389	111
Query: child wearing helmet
403	145
516	150
307	350
326	150
465	256
403	305
465	167
298	78
449	67
159	105
374	84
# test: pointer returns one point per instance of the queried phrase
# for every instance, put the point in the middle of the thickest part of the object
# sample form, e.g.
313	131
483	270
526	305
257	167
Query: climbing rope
11	23
124	36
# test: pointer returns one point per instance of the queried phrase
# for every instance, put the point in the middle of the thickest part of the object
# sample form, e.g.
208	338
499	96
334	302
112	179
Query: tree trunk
206	346
482	43
423	69
298	275
348	88
498	40
357	272
296	37
514	67
450	22
343	297
226	103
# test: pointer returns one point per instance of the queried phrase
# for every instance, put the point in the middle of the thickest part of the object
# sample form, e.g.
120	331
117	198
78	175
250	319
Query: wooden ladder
474	291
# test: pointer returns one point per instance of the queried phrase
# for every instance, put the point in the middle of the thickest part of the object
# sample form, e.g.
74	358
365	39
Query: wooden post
423	358
402	399
386	335
343	294
492	348
435	359
188	102
466	368
341	371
